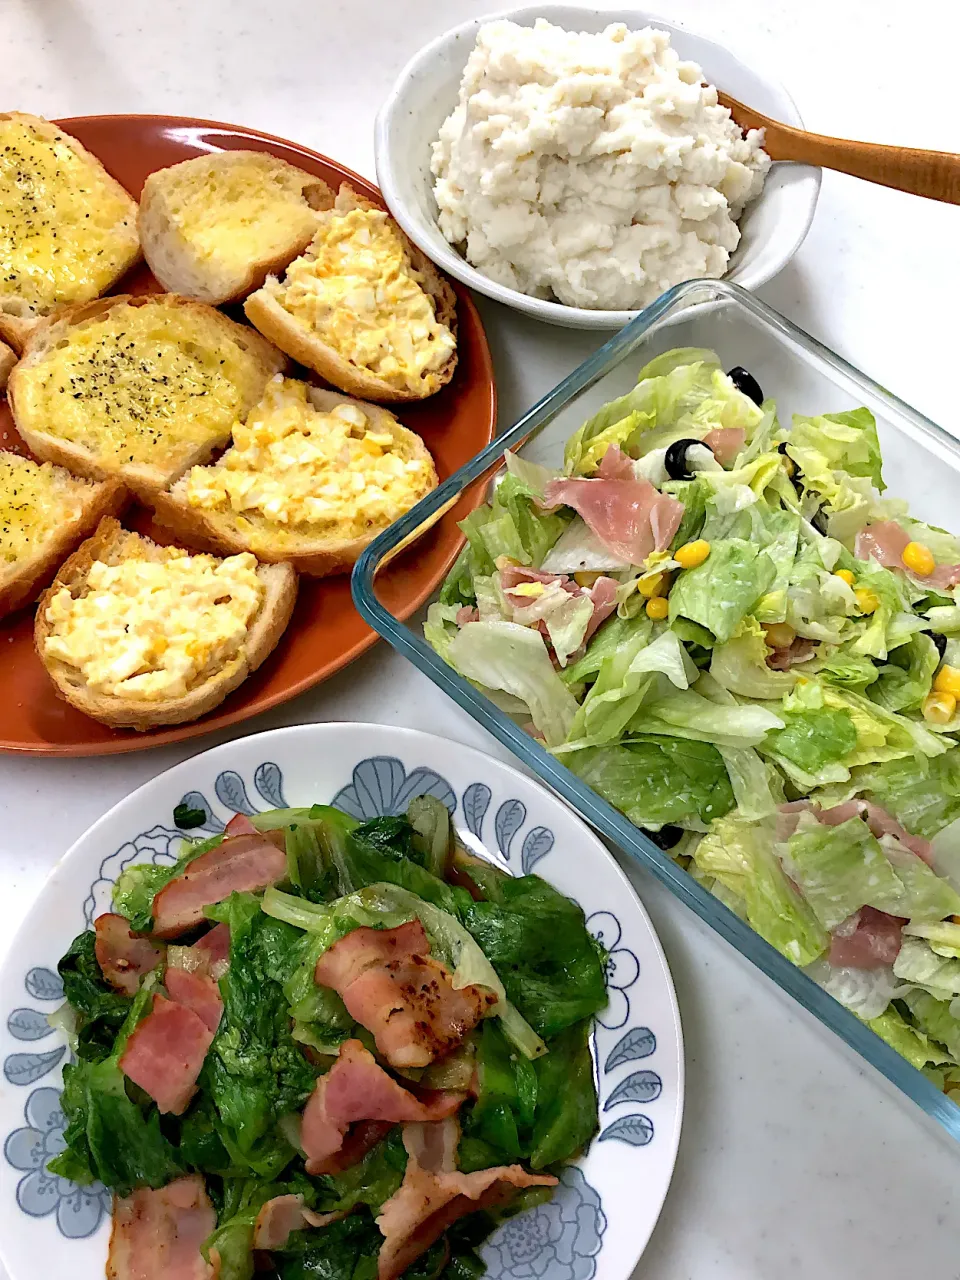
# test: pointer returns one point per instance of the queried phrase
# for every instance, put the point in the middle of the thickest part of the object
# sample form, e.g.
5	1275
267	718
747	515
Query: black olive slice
940	640
746	383
666	837
675	458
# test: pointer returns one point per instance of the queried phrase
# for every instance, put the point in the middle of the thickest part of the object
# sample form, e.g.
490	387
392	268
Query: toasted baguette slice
214	227
112	545
303	447
8	358
138	388
45	513
359	331
70	230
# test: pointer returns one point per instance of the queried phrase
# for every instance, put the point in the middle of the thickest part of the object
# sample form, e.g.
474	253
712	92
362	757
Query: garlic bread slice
137	388
215	226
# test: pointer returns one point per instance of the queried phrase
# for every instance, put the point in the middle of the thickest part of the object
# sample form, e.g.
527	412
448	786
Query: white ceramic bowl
772	227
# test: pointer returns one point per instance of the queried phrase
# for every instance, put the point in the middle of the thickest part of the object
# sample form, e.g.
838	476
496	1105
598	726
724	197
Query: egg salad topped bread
139	388
214	227
311	478
67	229
45	512
136	635
363	307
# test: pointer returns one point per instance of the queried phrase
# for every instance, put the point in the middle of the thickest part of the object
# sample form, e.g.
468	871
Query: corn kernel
939	708
587	577
692	554
780	635
650	587
845	575
918	559
657	608
867	601
954	919
948	680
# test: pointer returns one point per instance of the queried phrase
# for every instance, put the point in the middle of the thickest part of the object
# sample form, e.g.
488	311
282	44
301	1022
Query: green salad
326	1049
719	622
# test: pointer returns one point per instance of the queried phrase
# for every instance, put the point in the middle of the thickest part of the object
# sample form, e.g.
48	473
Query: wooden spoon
935	174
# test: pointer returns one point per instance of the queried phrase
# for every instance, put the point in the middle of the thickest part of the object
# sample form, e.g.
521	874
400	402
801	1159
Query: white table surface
795	1162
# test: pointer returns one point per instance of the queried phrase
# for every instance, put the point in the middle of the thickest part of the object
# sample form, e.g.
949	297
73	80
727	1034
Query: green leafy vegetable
538	943
99	1011
185	817
721	592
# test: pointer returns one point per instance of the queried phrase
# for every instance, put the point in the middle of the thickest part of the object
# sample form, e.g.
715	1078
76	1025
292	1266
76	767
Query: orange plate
326	632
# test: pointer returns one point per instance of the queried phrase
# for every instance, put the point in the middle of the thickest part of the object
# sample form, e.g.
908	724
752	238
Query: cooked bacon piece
885	541
195	992
392	986
791	655
356	1088
873	942
360	1138
469	613
283	1215
877	819
240	825
629	516
434	1145
241	864
417	1215
725	443
165	1053
124	957
157	1234
212	952
346	960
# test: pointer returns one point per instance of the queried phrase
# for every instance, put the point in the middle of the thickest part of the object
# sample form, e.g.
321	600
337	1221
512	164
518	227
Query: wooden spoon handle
935	174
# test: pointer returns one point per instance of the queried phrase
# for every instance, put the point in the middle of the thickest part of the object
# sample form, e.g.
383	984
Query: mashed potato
594	169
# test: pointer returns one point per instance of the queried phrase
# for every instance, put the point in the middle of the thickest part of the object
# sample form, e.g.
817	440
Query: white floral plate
601	1218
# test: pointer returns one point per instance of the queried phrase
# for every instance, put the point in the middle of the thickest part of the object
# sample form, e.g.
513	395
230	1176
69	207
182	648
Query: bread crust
21	582
307	348
84	460
112	543
18	316
8	358
318	558
172	257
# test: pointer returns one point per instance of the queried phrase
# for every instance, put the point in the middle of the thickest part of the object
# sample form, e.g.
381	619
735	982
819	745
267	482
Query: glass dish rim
599	813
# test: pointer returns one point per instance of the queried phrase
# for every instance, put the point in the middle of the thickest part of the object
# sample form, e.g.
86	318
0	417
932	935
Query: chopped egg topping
151	629
35	500
58	220
293	465
357	289
145	383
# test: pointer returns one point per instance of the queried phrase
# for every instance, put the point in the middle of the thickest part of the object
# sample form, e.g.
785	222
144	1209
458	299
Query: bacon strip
283	1215
434	1145
240	864
123	956
195	992
391	985
356	1088
165	1052
157	1234
628	515
426	1204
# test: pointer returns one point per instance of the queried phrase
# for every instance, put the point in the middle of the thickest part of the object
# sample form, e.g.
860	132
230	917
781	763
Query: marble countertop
795	1161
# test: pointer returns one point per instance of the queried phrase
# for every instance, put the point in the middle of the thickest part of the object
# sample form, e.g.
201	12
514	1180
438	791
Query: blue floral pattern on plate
560	1240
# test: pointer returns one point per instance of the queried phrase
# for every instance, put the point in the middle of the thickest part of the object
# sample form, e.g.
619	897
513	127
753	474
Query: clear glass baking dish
921	464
